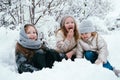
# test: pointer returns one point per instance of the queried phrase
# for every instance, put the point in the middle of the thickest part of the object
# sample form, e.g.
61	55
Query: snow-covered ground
81	69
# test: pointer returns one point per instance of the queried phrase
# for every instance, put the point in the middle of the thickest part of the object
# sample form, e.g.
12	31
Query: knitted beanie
86	26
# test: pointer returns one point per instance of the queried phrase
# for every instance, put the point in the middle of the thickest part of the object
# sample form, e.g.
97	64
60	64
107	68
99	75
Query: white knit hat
86	26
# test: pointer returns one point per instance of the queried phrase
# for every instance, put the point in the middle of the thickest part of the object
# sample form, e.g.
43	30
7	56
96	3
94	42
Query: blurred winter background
46	15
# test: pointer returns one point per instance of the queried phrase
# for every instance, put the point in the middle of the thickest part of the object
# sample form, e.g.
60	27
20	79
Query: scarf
26	42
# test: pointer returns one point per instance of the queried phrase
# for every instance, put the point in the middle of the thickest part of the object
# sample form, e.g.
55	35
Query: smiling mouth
70	28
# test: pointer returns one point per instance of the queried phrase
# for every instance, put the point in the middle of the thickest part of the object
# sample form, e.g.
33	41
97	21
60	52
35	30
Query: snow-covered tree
40	12
31	11
84	8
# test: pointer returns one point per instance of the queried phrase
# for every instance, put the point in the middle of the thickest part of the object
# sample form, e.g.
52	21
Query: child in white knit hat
93	47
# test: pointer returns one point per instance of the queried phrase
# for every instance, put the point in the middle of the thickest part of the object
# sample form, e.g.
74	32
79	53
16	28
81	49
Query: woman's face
69	24
31	33
85	36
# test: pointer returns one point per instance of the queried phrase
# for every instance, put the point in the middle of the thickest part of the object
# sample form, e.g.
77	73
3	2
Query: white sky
116	8
116	5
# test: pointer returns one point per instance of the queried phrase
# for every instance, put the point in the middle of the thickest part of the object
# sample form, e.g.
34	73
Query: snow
65	70
80	69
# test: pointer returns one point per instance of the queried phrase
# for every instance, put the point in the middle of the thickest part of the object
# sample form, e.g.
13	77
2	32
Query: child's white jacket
97	44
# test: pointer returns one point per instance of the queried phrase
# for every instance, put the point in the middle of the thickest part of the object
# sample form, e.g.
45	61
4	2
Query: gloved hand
26	68
62	56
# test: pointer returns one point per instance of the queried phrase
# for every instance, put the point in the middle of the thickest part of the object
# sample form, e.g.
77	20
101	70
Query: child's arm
23	65
79	51
102	49
61	43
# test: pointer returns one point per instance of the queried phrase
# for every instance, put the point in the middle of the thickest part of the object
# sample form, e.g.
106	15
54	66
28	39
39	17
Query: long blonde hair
92	34
62	27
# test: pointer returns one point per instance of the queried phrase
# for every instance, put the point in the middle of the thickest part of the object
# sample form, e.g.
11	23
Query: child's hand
70	34
98	61
69	54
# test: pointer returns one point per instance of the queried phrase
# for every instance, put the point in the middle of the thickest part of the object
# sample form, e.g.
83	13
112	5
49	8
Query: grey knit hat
86	26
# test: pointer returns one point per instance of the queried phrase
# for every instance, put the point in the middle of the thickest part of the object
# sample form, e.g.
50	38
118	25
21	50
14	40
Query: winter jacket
32	55
42	58
34	63
96	44
63	45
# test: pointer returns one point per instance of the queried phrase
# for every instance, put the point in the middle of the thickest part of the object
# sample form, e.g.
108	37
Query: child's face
69	24
85	36
31	33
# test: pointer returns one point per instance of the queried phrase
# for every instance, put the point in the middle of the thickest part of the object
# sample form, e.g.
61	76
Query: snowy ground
65	70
